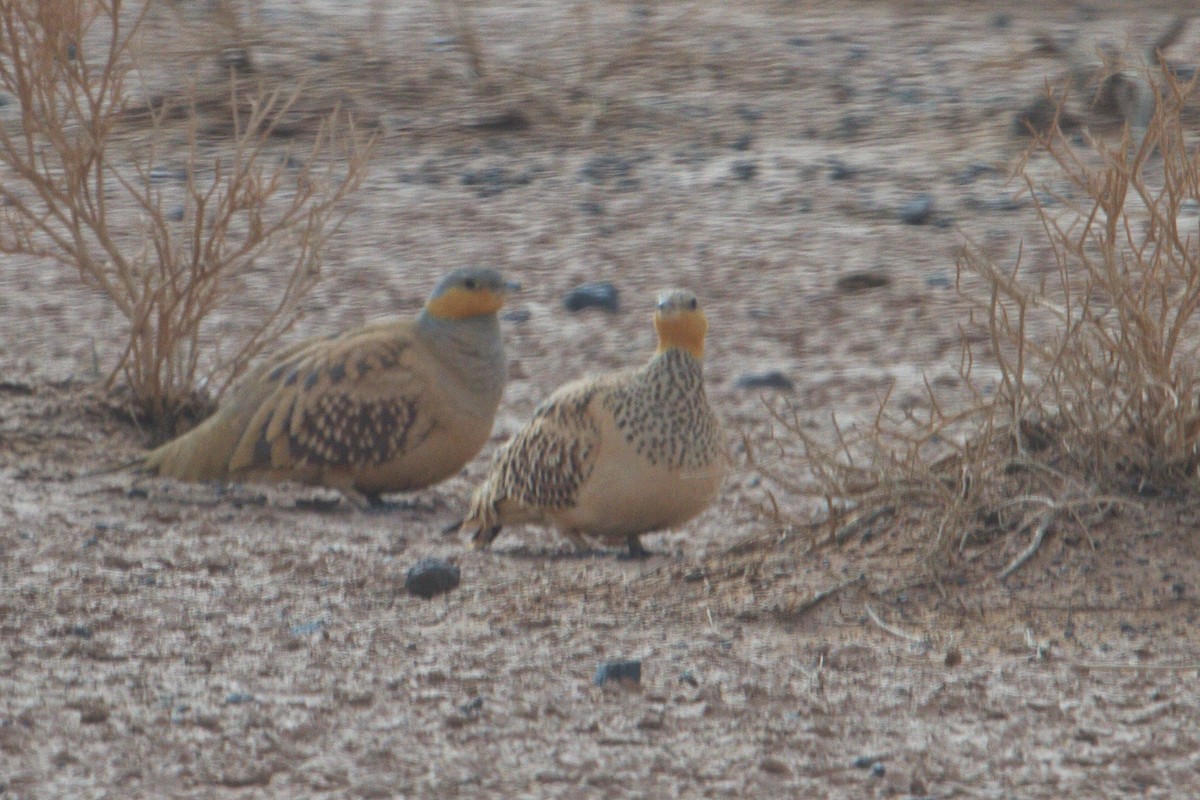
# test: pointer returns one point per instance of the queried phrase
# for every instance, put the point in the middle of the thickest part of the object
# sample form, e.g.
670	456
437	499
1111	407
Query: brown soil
163	640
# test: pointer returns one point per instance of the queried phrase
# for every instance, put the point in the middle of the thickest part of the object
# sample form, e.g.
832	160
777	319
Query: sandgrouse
617	455
387	407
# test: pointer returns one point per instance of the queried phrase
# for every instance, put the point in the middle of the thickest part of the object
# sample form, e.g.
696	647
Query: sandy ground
162	640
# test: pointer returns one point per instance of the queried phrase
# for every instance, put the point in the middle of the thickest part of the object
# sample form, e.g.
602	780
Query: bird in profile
616	455
387	407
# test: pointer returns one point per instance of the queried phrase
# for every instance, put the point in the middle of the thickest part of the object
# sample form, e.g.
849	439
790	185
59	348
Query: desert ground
811	170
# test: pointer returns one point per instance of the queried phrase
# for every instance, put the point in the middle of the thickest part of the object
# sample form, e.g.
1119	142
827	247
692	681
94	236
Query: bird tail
201	454
483	516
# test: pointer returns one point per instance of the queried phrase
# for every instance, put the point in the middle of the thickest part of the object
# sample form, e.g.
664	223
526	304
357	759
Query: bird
390	406
616	455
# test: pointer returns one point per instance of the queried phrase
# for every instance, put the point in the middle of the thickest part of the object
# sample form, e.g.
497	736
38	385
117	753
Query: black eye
469	283
692	305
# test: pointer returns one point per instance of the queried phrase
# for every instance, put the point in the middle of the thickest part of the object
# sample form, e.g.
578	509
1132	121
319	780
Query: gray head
468	292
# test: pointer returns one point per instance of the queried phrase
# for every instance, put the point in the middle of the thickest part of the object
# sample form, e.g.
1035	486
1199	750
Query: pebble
770	379
840	171
918	210
307	628
602	169
862	281
238	698
938	280
625	671
491	181
430	577
601	295
82	631
745	170
517	315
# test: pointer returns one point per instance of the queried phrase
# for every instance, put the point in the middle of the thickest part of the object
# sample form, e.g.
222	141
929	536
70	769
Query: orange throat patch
460	303
681	329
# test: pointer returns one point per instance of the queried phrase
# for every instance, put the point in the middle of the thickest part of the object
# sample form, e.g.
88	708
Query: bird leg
635	546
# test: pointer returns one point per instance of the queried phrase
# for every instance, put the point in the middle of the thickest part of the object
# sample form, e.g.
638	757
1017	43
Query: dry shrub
1081	374
166	262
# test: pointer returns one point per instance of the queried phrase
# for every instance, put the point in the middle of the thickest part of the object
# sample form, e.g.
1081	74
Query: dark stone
748	113
938	280
841	171
771	379
509	121
1038	118
745	170
602	169
862	281
430	577
918	210
625	671
878	770
517	315
82	631
492	181
601	295
307	628
238	698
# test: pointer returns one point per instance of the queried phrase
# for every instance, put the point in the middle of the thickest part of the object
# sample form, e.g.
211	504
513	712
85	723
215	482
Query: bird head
468	292
680	322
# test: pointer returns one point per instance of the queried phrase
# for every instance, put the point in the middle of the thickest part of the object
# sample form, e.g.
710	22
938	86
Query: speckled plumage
617	455
388	407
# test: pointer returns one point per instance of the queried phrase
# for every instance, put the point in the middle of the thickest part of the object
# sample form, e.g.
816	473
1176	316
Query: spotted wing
545	464
349	402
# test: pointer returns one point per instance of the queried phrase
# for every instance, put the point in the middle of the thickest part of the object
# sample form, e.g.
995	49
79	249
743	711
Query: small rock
517	315
602	169
938	280
601	295
623	671
953	657
507	121
748	113
917	210
235	58
307	628
771	379
492	181
863	762
878	770
1038	117
93	714
840	171
163	174
430	577
774	766
862	281
238	698
973	172
745	170
82	631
